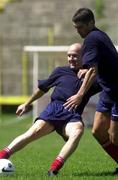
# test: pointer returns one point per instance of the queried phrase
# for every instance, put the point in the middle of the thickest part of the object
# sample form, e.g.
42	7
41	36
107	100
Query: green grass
89	162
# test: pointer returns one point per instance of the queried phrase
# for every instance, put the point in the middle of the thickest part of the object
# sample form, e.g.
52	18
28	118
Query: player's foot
5	153
52	172
115	172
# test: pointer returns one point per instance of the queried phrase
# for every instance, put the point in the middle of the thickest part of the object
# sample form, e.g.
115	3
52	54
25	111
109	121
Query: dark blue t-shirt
98	49
66	84
65	81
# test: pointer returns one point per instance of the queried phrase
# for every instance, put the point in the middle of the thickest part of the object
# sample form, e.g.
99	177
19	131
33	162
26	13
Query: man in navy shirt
100	57
68	123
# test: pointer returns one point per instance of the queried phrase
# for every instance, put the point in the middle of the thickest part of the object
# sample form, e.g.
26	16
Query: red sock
57	164
111	149
5	153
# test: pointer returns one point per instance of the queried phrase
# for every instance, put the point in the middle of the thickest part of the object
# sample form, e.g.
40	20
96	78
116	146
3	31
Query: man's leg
103	130
113	132
73	131
38	129
101	126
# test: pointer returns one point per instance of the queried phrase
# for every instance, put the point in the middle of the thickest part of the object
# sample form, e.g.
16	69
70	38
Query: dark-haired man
100	57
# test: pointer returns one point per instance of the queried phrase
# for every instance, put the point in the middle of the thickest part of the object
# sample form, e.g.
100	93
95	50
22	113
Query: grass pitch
89	162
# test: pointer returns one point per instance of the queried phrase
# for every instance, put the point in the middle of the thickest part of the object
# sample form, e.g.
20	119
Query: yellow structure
3	4
15	100
12	100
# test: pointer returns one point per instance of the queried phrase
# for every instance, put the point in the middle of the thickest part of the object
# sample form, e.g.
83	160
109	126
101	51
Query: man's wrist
80	94
26	105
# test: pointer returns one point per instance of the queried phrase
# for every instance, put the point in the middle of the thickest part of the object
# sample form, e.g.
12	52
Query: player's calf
56	166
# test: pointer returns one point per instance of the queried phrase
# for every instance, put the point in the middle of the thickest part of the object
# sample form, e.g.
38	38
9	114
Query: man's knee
32	133
113	132
76	134
74	130
101	124
100	136
113	138
95	133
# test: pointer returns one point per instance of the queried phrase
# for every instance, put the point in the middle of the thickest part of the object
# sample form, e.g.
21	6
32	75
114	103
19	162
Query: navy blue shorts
107	104
58	116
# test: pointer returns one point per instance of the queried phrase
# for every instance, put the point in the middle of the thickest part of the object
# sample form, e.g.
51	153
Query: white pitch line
15	120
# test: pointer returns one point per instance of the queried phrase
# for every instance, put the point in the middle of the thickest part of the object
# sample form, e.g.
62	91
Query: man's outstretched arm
23	107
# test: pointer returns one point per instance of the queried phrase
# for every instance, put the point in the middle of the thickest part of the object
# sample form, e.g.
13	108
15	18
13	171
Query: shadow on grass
94	174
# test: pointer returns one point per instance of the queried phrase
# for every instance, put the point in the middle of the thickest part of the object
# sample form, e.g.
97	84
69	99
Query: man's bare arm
23	107
87	81
76	99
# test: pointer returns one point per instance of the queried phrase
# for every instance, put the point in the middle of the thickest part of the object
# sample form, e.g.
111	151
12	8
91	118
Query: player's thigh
74	129
41	127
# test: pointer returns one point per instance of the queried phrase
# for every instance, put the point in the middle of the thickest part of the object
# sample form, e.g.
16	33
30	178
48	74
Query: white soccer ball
6	167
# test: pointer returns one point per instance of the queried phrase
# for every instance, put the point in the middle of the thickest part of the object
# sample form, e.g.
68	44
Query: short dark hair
83	15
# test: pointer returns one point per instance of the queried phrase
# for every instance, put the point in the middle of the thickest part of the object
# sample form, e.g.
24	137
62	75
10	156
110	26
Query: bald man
67	122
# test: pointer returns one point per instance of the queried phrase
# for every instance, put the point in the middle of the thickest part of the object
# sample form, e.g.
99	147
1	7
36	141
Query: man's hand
21	109
73	102
82	73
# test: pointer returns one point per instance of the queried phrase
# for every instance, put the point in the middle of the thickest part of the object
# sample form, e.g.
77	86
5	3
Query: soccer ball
6	167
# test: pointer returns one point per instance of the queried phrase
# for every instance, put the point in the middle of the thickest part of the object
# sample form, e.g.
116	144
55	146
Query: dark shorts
58	116
107	104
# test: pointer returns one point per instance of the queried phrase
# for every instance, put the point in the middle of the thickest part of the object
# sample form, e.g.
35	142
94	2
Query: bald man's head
76	47
73	53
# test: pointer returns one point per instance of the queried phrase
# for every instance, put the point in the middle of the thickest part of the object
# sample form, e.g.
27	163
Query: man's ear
91	23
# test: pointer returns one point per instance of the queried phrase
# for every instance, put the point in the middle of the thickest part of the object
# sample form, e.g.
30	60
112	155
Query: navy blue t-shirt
66	83
99	50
